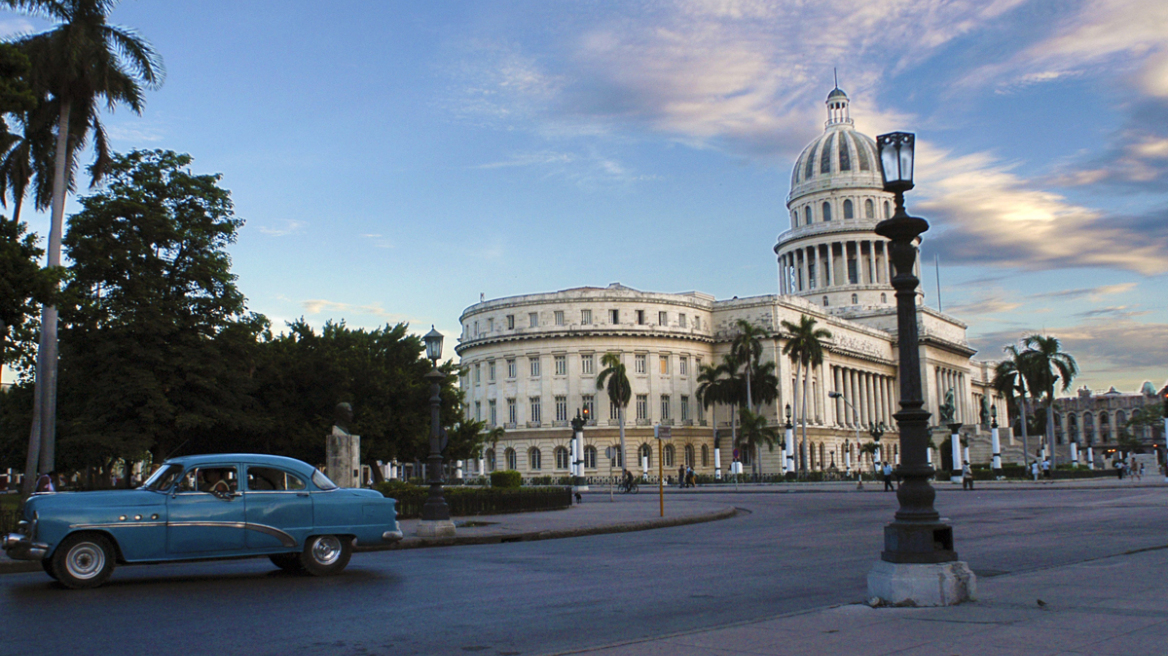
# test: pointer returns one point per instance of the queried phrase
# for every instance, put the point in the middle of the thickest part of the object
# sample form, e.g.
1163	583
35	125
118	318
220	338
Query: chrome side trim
115	525
285	539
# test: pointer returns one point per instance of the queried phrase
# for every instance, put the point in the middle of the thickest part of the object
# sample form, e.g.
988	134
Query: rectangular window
681	320
812	279
701	413
639	365
613	410
535	418
490	325
493	411
559	317
698	365
614	317
491	371
561	408
561	365
512	412
683	366
853	272
476	329
662	318
642	406
640	317
697	323
533	319
586	364
510	367
685	408
589	405
478	410
585	317
534	366
510	322
663	361
665	406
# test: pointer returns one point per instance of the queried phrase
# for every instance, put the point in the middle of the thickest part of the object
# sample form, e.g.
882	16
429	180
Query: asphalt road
784	553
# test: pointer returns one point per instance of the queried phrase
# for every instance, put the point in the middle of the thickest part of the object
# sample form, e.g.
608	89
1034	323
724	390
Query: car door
205	513
278	508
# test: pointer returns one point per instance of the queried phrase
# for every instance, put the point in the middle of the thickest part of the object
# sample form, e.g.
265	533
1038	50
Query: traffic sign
663	432
610	453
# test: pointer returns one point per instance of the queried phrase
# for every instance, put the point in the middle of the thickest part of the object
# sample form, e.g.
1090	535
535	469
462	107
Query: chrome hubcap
326	550
85	560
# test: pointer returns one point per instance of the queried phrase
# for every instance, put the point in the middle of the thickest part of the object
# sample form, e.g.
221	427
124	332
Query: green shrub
541	480
506	479
464	501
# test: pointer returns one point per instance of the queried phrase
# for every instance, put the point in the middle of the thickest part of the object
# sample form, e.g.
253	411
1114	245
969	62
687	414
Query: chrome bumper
20	547
392	536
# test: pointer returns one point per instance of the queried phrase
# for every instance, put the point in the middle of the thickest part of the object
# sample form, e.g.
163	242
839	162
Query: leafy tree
747	349
23	284
158	347
1051	365
1145	417
1015	378
756	432
714	387
15	93
615	380
805	349
80	64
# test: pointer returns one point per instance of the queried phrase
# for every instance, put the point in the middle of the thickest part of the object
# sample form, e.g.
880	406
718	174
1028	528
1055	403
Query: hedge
507	479
464	501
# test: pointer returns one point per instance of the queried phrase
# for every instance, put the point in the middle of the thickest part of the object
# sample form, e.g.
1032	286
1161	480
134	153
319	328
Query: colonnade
872	395
834	264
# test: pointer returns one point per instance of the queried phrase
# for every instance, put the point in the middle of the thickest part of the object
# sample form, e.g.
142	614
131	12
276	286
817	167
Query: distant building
1100	420
530	362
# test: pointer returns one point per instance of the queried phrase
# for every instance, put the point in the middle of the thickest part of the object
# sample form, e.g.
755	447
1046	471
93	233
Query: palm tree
77	66
756	432
747	349
1051	364
1013	377
619	392
805	349
713	388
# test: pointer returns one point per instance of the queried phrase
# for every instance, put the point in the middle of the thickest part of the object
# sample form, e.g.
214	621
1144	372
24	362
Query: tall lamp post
435	522
789	443
578	423
877	432
995	441
855	422
918	563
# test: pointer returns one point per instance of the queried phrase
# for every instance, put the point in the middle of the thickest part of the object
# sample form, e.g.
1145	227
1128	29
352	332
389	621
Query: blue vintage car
208	506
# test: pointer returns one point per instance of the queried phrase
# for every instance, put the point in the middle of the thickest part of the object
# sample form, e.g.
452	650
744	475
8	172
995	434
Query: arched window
705	455
886	212
824	301
848	214
490	456
646	454
1073	426
512	461
807	215
826	211
822	455
668	455
1104	427
795	219
869	209
883	297
590	457
689	455
534	459
561	457
1120	418
618	460
855	299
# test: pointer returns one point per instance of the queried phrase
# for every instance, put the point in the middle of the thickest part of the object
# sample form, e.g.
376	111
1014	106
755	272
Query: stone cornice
577	333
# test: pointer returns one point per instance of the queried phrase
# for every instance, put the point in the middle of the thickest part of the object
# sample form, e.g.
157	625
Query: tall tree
23	285
1015	378
714	387
158	347
80	64
804	347
614	379
1051	366
756	431
747	348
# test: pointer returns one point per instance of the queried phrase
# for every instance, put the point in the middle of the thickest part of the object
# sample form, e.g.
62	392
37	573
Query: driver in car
214	482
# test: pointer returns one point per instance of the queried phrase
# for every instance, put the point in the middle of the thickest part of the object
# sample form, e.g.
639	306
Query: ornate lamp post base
435	528
940	584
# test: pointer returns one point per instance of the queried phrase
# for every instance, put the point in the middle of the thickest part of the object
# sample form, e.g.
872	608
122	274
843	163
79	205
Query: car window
217	478
322	481
163	478
261	479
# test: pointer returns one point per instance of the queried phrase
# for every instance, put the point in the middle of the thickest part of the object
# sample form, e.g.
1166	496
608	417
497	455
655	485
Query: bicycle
629	486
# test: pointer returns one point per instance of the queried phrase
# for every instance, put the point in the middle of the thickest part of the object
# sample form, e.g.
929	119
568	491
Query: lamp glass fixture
896	159
433	341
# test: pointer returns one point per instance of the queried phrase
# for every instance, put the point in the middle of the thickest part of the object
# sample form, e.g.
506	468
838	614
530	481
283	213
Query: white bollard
717	463
955	442
996	445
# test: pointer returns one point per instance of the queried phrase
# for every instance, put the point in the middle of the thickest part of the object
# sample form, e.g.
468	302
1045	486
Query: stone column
831	264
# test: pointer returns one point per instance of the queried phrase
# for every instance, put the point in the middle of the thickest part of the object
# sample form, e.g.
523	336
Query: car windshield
323	481
163	478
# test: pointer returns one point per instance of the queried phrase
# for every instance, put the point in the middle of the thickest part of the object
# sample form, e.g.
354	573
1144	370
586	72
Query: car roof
245	458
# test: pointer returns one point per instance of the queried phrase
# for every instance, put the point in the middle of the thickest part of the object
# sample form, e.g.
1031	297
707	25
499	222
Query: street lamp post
789	443
918	563
955	449
877	432
435	521
578	451
855	420
995	441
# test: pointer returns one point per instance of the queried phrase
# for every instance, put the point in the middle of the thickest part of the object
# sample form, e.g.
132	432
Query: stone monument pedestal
439	528
343	458
929	584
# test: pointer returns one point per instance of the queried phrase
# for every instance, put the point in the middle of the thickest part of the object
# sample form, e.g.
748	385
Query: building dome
841	157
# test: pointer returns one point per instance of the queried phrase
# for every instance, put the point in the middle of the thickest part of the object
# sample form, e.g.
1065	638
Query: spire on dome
837	106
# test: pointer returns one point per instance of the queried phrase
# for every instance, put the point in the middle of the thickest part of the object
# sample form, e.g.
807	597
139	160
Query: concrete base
941	584
441	528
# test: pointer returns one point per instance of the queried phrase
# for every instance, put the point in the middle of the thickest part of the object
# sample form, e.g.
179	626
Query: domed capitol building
530	362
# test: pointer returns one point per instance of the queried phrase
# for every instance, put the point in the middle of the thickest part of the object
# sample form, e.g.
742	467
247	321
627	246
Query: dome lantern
837	108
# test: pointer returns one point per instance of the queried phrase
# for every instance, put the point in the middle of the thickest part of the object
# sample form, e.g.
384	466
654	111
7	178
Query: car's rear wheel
83	561
326	554
289	562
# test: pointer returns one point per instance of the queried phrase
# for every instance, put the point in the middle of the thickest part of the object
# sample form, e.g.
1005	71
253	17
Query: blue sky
394	161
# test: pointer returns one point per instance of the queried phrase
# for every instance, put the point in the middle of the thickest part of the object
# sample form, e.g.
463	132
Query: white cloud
318	306
291	227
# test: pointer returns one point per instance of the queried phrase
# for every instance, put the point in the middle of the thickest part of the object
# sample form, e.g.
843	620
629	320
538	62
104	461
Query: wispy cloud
379	241
320	306
1091	293
290	227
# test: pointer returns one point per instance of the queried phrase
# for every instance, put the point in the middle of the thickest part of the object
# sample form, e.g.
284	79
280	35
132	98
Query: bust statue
985	411
949	410
343	417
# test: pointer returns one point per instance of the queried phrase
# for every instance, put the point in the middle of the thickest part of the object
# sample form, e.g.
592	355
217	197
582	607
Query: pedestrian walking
966	477
689	477
888	477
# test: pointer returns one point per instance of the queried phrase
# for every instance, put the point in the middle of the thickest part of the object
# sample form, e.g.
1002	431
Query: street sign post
661	433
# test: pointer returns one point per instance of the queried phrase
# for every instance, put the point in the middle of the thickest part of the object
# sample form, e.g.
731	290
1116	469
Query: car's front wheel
47	565
289	562
83	561
326	554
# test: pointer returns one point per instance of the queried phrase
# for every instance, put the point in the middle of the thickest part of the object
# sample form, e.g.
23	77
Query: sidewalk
1116	605
594	516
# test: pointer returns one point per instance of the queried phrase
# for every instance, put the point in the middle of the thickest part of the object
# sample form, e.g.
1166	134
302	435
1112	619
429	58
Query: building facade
1101	420
530	362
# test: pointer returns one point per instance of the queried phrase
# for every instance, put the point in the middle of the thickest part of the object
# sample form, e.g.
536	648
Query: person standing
887	477
966	477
